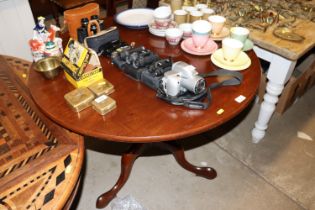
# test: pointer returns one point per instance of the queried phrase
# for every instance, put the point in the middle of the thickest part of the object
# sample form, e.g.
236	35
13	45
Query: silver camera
182	78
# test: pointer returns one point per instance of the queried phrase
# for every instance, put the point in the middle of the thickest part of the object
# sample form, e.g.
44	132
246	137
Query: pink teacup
162	23
200	33
187	30
162	16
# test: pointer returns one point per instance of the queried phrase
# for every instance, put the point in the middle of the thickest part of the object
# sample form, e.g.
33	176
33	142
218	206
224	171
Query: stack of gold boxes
94	95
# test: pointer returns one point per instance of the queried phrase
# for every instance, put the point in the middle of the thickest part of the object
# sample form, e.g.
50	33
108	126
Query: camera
154	73
182	78
109	48
133	61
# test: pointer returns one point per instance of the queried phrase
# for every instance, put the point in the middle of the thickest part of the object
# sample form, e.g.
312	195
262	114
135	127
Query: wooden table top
140	116
288	49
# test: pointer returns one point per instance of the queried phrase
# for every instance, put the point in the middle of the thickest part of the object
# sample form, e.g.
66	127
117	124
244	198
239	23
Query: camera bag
195	101
73	17
97	41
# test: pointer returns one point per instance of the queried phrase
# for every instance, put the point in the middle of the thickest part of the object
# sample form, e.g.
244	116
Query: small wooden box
79	99
104	104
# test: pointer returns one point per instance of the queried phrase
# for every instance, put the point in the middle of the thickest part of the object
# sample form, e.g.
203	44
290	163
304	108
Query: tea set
200	28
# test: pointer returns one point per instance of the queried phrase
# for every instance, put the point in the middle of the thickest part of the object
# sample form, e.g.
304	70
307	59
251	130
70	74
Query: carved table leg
279	72
127	161
267	108
178	152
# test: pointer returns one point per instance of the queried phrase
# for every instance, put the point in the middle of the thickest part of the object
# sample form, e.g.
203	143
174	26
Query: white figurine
45	43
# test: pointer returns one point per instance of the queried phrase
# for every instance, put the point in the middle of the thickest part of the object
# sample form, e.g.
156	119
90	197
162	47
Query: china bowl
48	66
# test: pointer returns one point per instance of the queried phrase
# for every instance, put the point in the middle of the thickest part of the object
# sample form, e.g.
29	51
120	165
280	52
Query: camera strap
194	101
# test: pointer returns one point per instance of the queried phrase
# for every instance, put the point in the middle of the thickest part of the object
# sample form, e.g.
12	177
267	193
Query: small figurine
45	43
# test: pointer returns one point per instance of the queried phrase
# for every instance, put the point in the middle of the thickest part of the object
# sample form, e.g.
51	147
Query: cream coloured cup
231	49
217	22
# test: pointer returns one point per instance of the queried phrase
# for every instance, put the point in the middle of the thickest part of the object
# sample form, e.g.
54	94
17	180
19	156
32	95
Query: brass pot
49	66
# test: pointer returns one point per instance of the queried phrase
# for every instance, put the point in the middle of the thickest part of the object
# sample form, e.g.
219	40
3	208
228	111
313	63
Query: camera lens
200	86
94	17
84	22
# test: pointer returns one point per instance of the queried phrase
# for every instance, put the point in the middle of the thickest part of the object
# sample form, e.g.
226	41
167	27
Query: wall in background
16	23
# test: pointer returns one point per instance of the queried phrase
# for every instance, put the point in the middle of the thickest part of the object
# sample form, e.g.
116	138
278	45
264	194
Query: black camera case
96	41
154	73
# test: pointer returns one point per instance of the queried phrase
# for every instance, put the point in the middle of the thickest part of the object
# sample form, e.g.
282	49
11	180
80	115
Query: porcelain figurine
44	42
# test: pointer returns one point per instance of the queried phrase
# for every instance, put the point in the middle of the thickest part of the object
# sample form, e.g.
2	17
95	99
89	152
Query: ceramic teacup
200	33
189	9
239	33
195	15
217	22
201	6
187	29
173	35
162	16
180	16
231	49
206	13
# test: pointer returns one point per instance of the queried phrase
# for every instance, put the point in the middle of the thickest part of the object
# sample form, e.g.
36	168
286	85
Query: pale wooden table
282	55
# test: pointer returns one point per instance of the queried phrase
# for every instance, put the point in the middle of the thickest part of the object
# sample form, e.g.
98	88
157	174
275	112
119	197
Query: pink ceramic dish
188	46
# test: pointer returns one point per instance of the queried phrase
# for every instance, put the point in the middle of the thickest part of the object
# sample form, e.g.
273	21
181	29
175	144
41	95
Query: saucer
248	45
158	31
241	63
224	33
188	46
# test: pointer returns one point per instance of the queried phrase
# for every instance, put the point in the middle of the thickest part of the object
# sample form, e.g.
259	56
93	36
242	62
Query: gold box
101	87
79	99
104	104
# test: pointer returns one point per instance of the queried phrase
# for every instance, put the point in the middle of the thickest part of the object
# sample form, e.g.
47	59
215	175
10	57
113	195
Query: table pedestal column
134	152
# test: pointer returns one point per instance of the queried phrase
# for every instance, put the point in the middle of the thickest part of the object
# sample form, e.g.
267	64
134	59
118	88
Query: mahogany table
140	118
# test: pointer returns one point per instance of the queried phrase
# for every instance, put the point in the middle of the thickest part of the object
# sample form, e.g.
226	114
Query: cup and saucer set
218	31
199	43
231	56
163	20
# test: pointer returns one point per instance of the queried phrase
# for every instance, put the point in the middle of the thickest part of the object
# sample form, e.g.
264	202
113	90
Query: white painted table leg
267	108
279	72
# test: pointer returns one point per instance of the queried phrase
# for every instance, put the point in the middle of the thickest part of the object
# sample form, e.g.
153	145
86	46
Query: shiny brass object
48	67
287	34
79	99
209	4
101	87
103	104
188	3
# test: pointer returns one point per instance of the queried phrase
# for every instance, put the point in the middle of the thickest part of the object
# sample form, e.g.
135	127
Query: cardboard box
81	65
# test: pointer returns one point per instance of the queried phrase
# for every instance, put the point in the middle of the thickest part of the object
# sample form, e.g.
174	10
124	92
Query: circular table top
140	116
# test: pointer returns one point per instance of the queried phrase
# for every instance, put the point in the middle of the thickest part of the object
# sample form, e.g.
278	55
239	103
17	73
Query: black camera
111	47
133	61
142	64
153	74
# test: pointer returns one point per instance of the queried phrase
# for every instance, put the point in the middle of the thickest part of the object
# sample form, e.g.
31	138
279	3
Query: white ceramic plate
135	18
